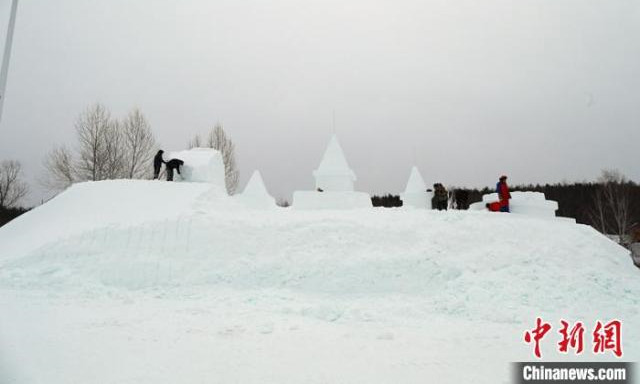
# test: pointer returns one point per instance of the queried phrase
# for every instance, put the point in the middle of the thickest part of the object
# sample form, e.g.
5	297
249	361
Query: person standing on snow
157	164
440	197
503	194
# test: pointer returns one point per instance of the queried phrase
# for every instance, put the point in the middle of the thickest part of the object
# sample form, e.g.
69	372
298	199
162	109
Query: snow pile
85	207
177	282
415	194
525	203
255	194
200	165
333	173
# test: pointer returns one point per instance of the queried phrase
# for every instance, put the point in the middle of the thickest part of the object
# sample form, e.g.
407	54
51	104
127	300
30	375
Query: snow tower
415	194
334	173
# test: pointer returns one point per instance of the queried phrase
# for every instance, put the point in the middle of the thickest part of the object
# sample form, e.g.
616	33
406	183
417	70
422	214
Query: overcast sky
542	90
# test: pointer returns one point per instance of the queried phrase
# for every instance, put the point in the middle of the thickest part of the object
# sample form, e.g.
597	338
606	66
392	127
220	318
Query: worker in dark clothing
440	198
157	164
171	165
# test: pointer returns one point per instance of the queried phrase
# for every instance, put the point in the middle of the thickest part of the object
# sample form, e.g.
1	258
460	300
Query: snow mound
213	292
415	194
89	206
255	194
200	165
524	203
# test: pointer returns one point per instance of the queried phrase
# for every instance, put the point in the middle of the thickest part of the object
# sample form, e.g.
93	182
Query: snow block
202	165
340	200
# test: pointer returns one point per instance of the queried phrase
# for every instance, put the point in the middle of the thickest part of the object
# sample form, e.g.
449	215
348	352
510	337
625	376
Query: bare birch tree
12	188
106	149
612	204
92	127
139	144
60	171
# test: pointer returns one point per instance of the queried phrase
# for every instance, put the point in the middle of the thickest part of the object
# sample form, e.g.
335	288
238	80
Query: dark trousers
169	174
156	172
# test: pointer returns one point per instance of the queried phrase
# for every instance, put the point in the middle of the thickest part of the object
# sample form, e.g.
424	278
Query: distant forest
578	200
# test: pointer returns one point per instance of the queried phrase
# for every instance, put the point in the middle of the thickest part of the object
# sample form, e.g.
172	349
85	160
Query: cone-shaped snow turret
255	194
334	173
416	182
415	194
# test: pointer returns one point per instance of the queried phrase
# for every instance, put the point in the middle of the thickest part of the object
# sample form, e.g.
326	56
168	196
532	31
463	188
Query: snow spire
255	194
255	186
334	173
416	182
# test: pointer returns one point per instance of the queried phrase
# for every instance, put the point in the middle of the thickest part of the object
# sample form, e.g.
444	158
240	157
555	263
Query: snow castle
334	184
255	194
415	194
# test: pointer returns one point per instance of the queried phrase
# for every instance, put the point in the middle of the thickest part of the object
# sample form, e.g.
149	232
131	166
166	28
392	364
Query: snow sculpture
334	184
255	194
333	173
415	194
525	203
202	165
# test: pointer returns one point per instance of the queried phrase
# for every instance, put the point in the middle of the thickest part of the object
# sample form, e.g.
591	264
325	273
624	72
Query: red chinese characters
538	333
573	338
607	338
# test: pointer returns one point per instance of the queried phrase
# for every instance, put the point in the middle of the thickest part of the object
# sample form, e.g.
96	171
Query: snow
340	200
156	282
255	194
200	165
334	173
524	203
415	194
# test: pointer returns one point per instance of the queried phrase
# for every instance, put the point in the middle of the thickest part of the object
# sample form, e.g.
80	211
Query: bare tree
612	203
196	142
217	139
139	144
60	169
12	188
92	129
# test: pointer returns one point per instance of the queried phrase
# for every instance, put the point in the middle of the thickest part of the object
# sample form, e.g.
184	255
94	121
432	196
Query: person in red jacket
503	194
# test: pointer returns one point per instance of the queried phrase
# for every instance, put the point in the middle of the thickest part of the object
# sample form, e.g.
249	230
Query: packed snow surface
156	282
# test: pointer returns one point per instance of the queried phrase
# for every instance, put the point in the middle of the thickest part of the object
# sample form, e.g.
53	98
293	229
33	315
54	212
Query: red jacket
503	192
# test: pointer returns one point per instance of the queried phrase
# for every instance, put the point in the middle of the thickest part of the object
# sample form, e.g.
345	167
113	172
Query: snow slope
209	291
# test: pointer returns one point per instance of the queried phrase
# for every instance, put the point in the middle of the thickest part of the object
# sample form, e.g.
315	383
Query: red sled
494	207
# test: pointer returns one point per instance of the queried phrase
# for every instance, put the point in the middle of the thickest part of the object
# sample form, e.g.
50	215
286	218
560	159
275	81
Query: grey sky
541	90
